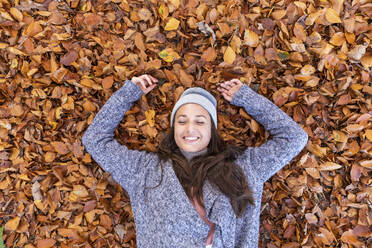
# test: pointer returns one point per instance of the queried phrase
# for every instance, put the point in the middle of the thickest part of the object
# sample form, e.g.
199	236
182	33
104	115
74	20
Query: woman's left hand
229	88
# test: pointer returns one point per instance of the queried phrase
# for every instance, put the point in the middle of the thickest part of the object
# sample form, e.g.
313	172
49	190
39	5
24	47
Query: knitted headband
199	96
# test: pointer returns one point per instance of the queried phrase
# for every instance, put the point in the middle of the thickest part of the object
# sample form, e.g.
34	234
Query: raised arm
99	141
288	137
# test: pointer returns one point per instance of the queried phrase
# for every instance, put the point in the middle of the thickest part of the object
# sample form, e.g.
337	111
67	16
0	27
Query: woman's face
192	127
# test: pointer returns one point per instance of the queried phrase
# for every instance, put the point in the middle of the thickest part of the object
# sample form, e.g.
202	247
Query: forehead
192	109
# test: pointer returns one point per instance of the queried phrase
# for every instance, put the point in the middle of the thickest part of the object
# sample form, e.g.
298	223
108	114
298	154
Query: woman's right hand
229	88
145	82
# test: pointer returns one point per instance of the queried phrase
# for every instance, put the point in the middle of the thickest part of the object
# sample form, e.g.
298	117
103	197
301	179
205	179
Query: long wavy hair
217	166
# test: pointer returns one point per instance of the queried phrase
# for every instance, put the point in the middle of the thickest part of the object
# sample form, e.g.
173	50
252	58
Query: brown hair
217	166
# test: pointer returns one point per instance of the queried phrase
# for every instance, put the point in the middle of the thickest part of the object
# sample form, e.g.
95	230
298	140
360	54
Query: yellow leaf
163	11
301	5
328	166
172	24
168	55
229	55
24	177
6	16
12	224
3	45
332	16
235	44
250	38
369	134
16	14
356	86
339	136
79	191
150	117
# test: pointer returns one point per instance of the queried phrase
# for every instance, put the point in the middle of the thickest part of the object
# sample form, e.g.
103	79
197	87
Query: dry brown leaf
209	54
60	147
329	166
12	224
45	243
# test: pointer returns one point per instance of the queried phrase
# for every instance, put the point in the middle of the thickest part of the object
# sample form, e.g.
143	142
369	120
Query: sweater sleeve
288	137
99	141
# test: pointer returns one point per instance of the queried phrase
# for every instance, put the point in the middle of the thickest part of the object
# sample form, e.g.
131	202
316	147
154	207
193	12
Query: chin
192	149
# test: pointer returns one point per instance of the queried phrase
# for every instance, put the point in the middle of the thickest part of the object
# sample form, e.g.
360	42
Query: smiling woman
192	128
195	191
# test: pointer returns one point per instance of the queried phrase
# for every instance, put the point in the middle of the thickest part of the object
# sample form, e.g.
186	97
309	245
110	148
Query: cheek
207	134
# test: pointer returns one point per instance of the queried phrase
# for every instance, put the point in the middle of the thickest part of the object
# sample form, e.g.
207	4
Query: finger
225	85
153	79
146	80
236	81
227	97
143	84
224	91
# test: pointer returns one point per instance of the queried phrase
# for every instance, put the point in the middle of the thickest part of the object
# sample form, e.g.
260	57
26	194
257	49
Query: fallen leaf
12	224
250	38
332	16
229	55
172	24
59	147
329	166
45	243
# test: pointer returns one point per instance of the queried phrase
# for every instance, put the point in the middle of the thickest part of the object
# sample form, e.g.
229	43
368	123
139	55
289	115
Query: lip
190	141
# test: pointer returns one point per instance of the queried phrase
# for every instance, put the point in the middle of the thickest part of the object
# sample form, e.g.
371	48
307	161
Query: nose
189	127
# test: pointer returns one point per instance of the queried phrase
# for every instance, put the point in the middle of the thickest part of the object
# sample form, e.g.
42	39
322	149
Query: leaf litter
61	61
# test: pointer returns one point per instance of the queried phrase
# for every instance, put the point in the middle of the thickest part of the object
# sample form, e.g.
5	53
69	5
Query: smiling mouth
191	139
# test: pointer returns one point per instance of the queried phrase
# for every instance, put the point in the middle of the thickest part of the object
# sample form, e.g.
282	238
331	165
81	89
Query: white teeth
191	138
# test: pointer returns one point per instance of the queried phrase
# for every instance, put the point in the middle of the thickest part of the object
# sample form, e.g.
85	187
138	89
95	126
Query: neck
190	155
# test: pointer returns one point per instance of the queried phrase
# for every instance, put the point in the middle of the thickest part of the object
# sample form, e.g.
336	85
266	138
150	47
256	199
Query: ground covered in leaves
61	60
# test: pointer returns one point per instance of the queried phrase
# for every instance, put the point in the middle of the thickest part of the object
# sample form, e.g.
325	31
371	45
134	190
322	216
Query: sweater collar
190	155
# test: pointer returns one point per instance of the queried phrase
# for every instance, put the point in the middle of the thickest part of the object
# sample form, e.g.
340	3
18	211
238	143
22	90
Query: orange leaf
60	147
369	134
45	243
12	224
209	54
33	29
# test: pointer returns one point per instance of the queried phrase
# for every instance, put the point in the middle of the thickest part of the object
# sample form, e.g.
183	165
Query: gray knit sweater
164	216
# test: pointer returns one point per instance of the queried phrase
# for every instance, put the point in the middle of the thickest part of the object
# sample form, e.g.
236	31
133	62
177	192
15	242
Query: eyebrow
196	116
